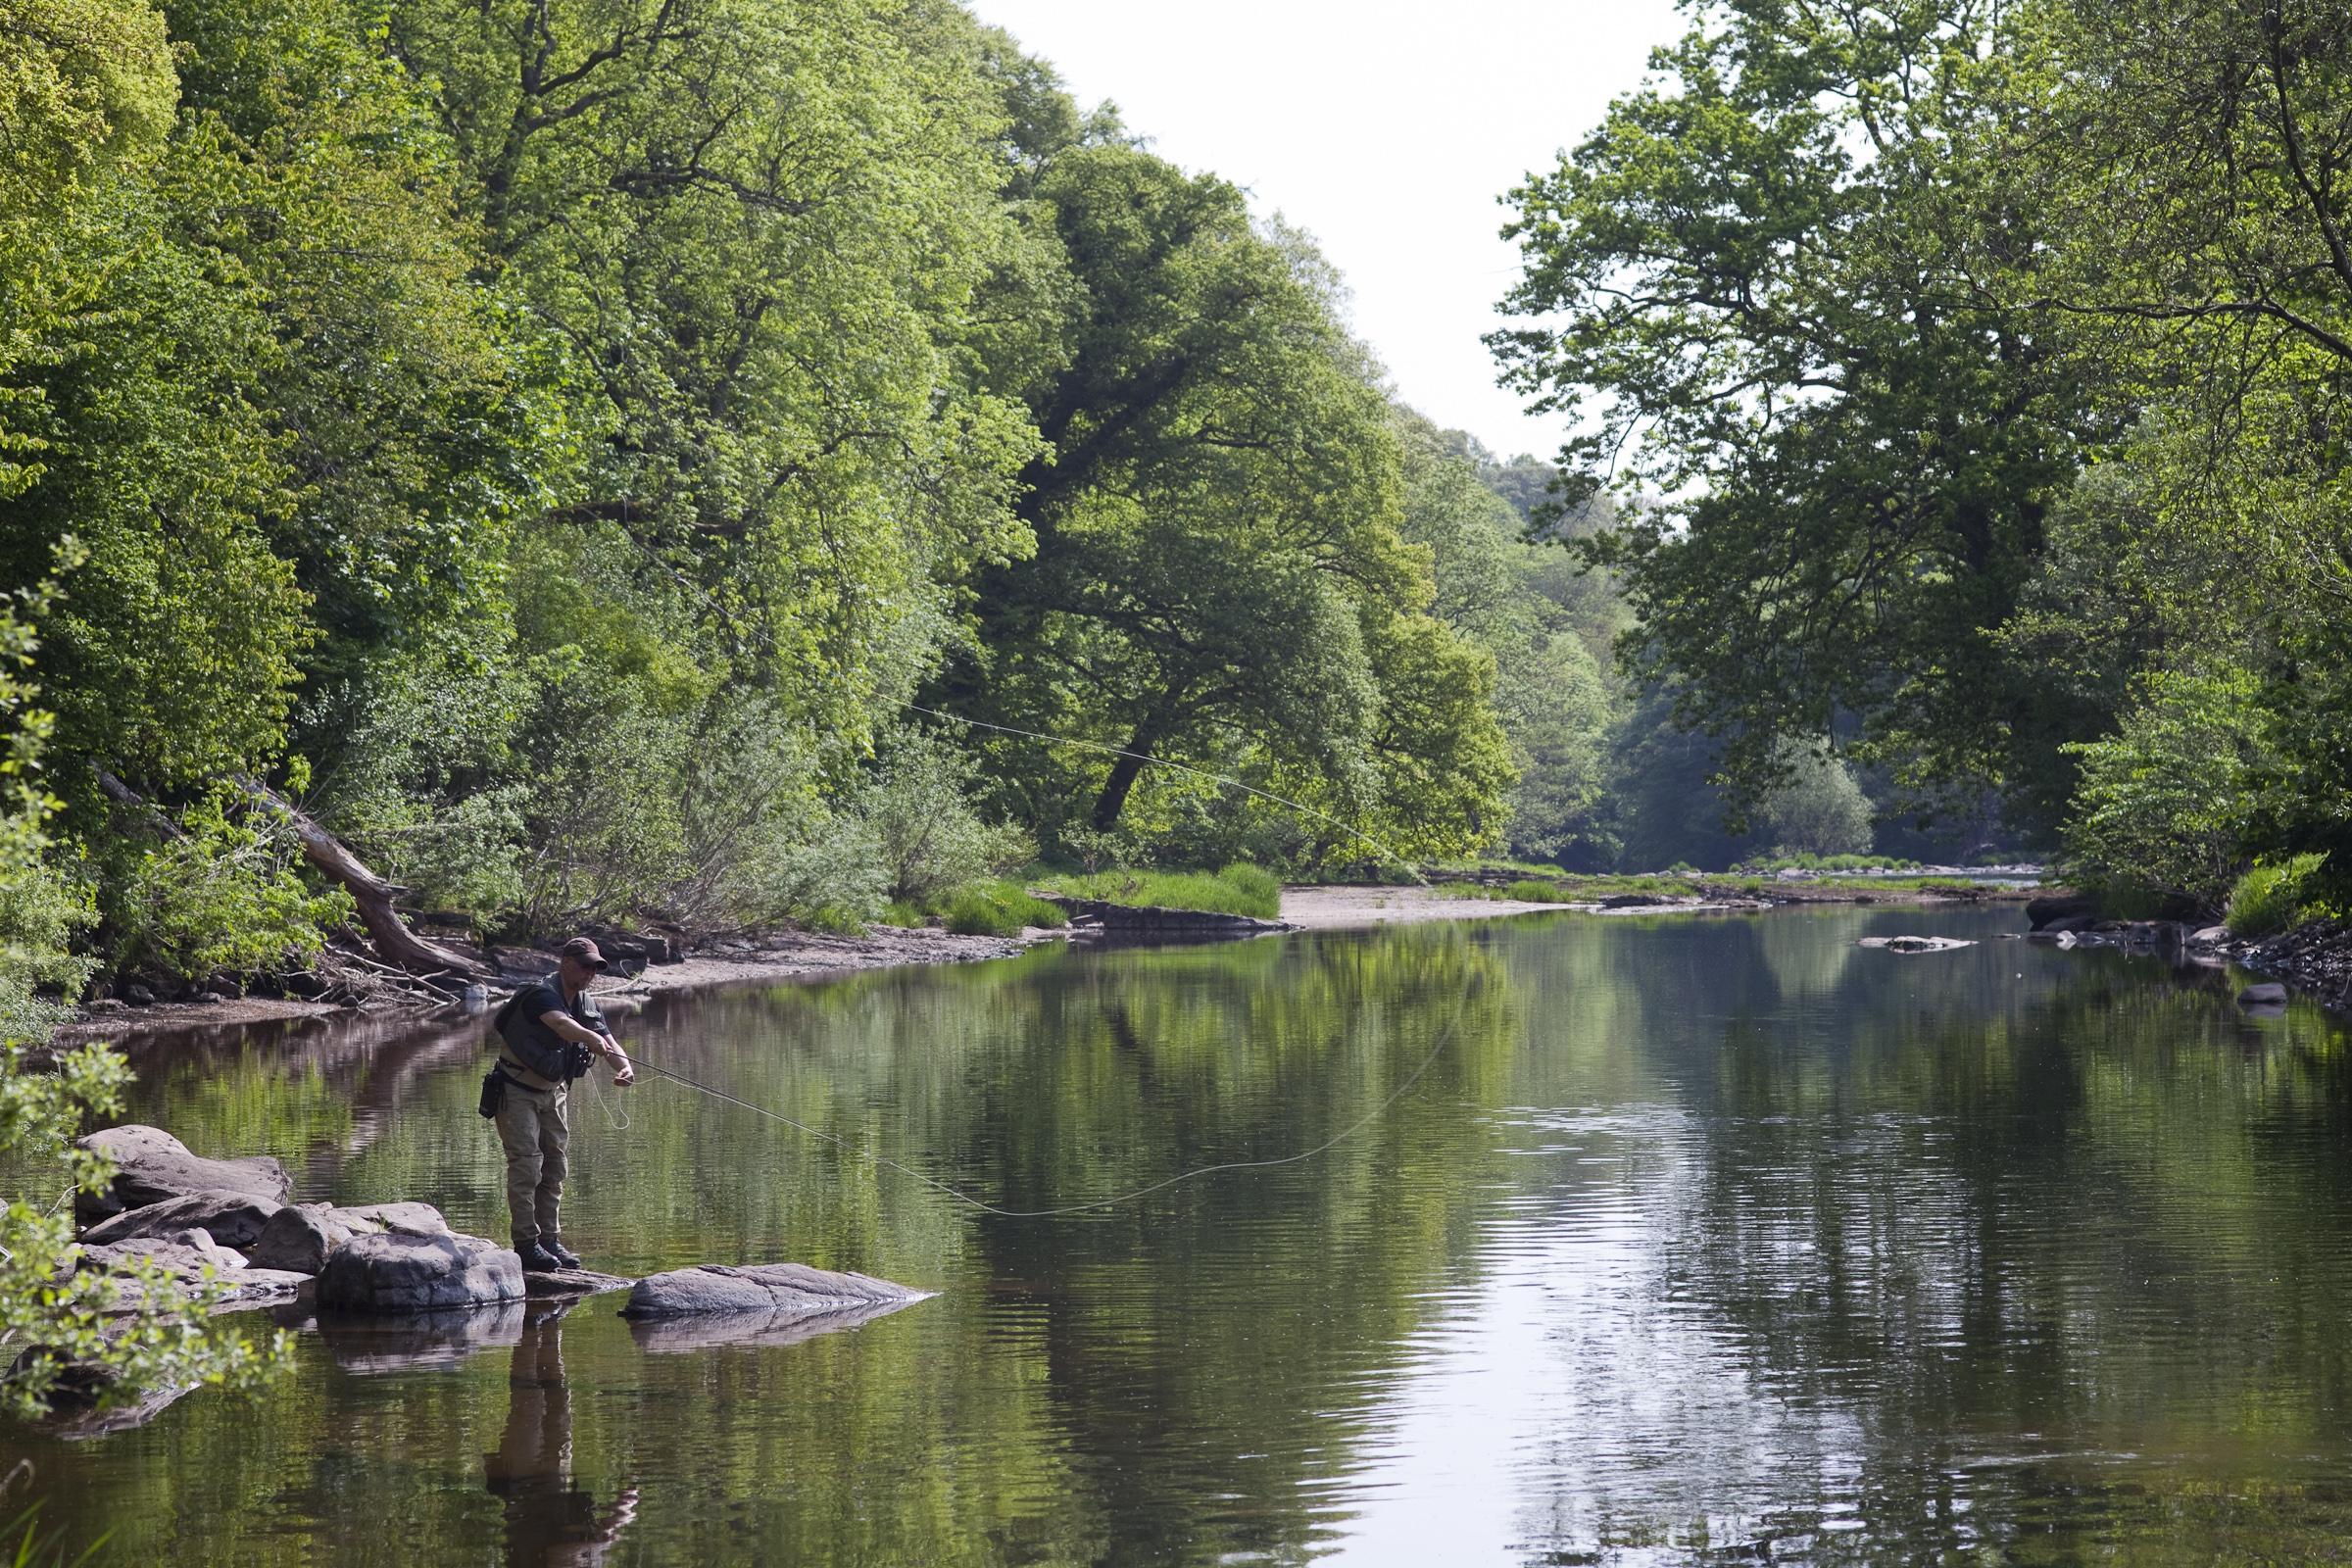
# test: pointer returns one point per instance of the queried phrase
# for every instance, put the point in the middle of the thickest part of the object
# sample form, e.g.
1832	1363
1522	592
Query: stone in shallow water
1915	943
2269	994
231	1218
151	1165
303	1238
186	1259
569	1284
788	1289
709	1330
403	1271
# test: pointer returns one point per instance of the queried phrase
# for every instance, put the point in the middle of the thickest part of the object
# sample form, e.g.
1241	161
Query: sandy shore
1328	908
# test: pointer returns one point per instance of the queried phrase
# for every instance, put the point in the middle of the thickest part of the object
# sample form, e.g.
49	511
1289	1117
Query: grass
1001	908
1239	888
2271	896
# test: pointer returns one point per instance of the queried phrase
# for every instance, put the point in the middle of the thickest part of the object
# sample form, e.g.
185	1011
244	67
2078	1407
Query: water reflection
549	1518
1661	1240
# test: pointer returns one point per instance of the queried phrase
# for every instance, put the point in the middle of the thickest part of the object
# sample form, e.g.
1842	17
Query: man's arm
579	1034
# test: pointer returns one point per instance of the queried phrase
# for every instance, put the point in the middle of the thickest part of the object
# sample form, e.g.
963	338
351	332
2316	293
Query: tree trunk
371	893
1124	769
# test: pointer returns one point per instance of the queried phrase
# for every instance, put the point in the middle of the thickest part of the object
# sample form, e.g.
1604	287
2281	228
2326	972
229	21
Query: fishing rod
1444	1038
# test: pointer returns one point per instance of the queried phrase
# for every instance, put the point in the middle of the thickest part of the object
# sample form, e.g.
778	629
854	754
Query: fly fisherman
550	1033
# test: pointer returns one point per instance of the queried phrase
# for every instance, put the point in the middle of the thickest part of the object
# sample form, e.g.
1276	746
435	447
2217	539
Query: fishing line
1445	1039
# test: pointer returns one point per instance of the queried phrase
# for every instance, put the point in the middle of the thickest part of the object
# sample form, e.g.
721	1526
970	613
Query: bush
224	898
1529	891
1820	810
929	840
2272	896
2166	802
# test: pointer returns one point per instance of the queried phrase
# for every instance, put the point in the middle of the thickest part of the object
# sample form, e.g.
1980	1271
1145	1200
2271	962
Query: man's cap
583	949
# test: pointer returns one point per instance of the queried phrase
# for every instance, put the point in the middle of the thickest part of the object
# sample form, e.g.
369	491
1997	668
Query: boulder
792	1289
2268	994
2212	936
234	1219
1915	943
151	1165
304	1237
2039	913
186	1259
408	1271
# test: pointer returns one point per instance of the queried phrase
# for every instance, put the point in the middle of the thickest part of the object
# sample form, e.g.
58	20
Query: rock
304	1237
407	1271
789	1288
2212	936
1635	901
2039	913
138	996
2267	994
106	1004
372	1346
232	1219
2072	924
1915	943
188	1258
298	1238
151	1165
569	1284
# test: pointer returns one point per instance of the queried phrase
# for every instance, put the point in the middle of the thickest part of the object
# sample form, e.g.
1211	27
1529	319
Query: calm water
1682	1241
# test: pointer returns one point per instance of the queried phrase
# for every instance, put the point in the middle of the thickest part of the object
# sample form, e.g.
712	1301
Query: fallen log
370	893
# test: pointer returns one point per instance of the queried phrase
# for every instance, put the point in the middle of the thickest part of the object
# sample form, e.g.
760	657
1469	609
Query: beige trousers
531	1126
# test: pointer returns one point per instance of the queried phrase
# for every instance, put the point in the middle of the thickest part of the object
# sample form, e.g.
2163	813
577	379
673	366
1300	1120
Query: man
531	1120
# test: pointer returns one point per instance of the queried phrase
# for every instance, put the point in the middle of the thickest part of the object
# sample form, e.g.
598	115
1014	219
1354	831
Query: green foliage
1236	890
58	1322
931	841
1817	808
2166	802
1000	910
225	896
2273	896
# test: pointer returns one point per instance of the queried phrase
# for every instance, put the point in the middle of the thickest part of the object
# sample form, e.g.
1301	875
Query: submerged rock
151	1166
709	1330
407	1271
1915	943
775	1290
231	1218
2269	994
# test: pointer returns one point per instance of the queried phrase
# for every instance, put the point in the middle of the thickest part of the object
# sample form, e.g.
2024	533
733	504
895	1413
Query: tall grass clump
998	910
1529	890
1239	888
2271	896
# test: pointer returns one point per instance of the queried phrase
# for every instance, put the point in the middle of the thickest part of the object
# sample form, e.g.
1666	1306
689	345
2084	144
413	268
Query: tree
1751	258
1820	810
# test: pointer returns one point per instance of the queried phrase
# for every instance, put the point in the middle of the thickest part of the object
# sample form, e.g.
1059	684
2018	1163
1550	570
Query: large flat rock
770	1290
405	1271
151	1166
711	1331
231	1218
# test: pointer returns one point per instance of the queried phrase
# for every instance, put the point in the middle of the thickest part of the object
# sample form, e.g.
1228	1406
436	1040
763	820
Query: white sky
1385	129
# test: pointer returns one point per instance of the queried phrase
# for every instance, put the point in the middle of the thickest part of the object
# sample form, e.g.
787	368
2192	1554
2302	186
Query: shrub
2271	896
1820	810
929	840
2165	803
902	913
1529	891
224	898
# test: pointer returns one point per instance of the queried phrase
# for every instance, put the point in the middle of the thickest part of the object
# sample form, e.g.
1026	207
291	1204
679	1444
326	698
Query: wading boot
536	1259
554	1247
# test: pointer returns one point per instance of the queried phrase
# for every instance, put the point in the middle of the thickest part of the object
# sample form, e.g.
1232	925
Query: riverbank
806	955
770	956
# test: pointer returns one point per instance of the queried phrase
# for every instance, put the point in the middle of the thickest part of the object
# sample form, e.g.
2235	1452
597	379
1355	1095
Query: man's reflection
548	1519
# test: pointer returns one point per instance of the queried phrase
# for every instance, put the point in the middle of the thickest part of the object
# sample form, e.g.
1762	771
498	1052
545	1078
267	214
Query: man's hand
624	1073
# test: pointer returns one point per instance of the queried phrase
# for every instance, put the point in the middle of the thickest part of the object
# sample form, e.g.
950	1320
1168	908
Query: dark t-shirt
523	1027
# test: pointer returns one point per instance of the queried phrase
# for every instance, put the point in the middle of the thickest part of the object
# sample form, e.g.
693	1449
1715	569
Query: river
1656	1240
